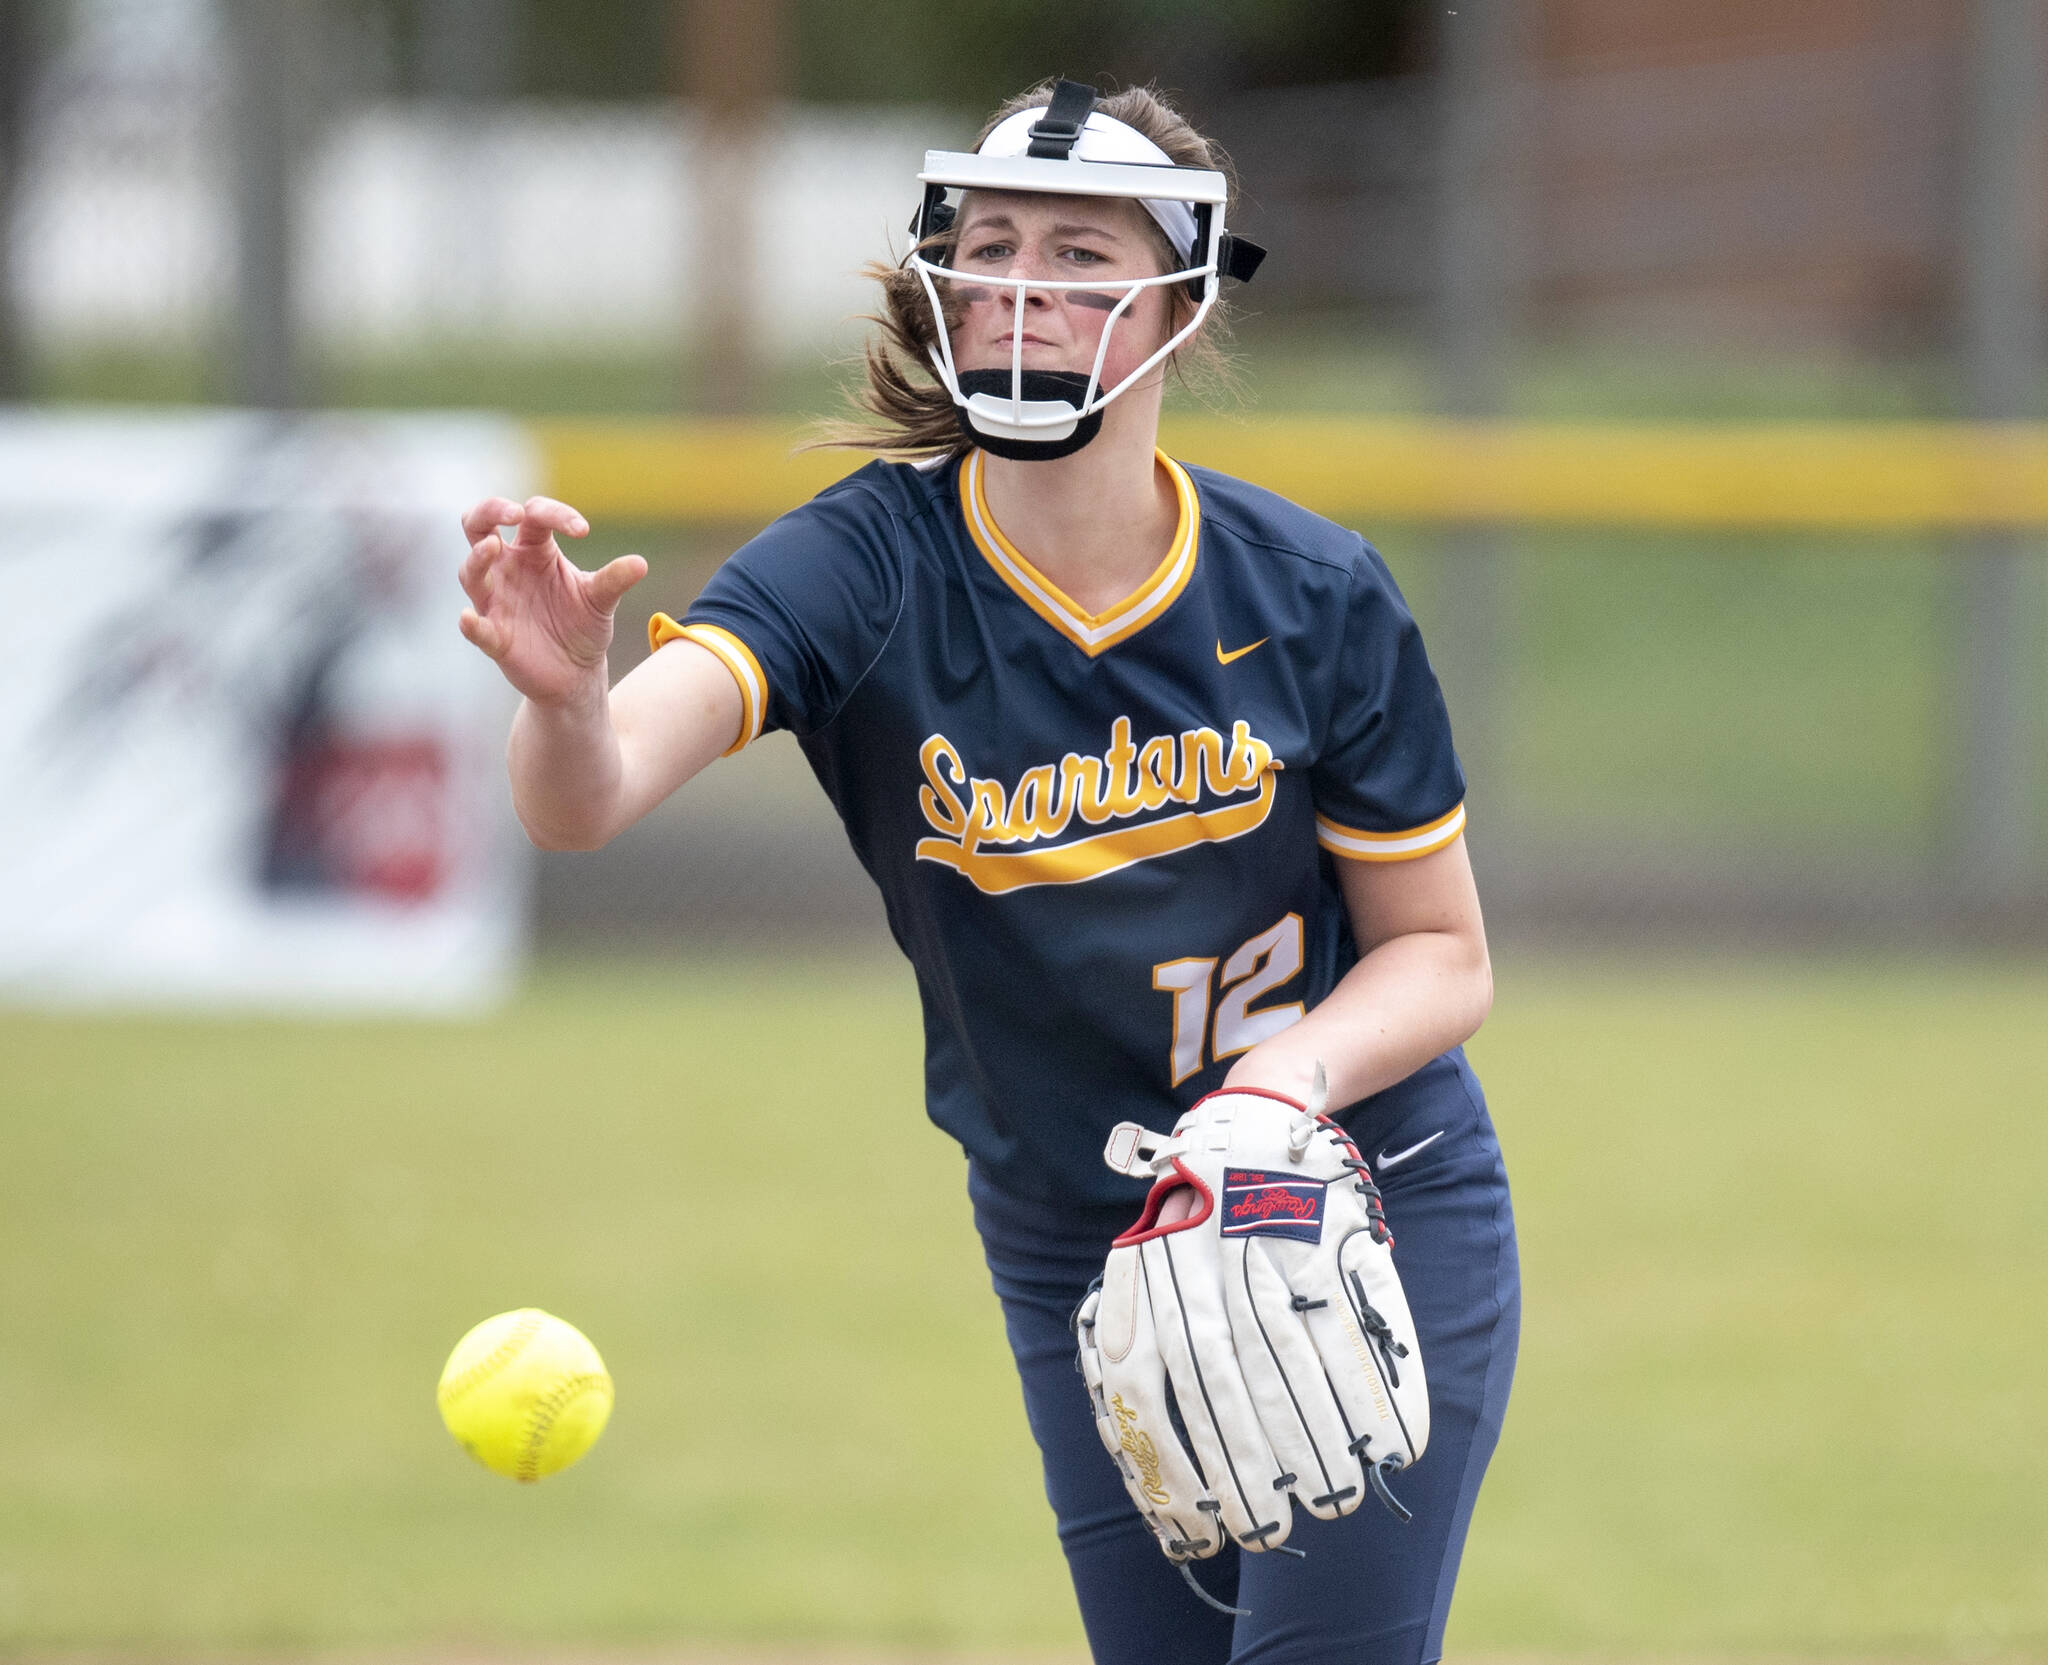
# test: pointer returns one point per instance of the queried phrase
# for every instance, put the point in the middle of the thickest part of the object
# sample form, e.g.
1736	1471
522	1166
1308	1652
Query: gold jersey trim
1092	633
735	656
1360	845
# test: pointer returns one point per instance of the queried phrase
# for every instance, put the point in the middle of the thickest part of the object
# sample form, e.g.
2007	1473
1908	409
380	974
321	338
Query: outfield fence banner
1805	476
248	761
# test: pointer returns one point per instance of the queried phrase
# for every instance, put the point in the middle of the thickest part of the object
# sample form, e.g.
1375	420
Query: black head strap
1054	134
1238	257
934	216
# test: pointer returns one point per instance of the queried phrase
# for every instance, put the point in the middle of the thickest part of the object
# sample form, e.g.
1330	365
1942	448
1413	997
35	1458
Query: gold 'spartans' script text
1127	781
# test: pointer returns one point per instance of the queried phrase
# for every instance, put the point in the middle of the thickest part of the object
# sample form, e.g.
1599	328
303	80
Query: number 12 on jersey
1215	1012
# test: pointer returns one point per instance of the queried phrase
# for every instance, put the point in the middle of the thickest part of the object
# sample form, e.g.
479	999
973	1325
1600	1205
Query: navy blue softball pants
1372	1590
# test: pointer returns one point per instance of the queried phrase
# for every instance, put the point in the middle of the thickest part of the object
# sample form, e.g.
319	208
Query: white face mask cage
1017	417
1071	151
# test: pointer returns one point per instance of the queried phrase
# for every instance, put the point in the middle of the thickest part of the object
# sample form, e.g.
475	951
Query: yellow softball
525	1393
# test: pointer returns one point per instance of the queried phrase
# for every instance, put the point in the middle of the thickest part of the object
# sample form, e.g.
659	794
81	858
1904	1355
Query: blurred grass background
1779	1392
1296	362
1677	699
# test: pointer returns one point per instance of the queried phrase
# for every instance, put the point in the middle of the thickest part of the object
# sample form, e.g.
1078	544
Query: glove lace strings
1382	1333
1187	1572
1375	1205
1378	1473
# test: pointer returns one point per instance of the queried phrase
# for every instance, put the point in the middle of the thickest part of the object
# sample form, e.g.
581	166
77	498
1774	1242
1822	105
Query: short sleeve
799	613
1387	784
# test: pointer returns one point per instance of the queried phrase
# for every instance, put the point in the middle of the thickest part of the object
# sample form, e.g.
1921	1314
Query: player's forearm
1411	998
566	768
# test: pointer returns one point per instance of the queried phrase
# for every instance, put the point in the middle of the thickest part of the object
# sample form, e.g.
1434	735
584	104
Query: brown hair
901	410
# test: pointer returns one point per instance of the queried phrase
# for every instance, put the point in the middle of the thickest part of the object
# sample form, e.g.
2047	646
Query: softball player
1157	785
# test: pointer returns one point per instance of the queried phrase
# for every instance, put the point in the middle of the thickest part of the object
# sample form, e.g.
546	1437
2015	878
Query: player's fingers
483	634
489	515
475	572
614	579
545	514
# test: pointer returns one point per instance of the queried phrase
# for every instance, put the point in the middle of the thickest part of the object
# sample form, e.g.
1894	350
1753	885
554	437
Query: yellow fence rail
1736	476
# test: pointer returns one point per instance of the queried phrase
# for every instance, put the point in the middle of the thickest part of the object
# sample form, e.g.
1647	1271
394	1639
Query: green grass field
1781	1387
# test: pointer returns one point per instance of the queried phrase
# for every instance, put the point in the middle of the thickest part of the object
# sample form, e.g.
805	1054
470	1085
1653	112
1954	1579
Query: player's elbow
546	838
1477	981
555	833
1482	1002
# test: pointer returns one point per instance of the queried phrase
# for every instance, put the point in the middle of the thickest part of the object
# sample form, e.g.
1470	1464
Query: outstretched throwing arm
587	760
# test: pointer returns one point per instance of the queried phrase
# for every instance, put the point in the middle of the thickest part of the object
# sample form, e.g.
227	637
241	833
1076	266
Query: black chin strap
1054	134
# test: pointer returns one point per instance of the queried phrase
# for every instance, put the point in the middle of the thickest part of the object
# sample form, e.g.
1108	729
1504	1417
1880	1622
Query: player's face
1063	239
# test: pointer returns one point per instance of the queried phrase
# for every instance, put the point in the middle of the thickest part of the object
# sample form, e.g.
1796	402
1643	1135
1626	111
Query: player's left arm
1423	982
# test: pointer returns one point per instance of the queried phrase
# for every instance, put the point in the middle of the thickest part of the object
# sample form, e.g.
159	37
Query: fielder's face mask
1069	148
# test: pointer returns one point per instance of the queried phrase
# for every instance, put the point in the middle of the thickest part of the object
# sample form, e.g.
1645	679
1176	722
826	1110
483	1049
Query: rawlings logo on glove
1258	1353
1272	1205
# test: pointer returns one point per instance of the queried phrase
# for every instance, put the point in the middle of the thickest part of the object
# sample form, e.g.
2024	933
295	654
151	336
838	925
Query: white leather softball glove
1259	1352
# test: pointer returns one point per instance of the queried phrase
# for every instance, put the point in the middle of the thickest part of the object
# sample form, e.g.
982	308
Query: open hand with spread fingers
546	621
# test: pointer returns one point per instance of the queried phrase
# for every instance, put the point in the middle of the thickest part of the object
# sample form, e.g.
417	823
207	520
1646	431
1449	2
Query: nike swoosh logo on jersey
1401	1156
1223	658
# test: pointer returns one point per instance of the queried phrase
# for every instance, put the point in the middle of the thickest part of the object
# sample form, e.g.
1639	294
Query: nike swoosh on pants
1400	1156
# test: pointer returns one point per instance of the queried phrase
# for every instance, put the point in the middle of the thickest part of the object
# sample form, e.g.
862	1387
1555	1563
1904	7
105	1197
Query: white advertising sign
246	760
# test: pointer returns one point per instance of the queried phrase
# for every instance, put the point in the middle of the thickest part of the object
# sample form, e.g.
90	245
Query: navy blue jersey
1105	841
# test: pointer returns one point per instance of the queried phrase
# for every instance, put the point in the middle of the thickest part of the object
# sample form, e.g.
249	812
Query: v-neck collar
1092	633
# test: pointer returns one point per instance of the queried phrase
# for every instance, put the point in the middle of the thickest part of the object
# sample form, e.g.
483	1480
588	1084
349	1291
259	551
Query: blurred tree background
1630	211
965	56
